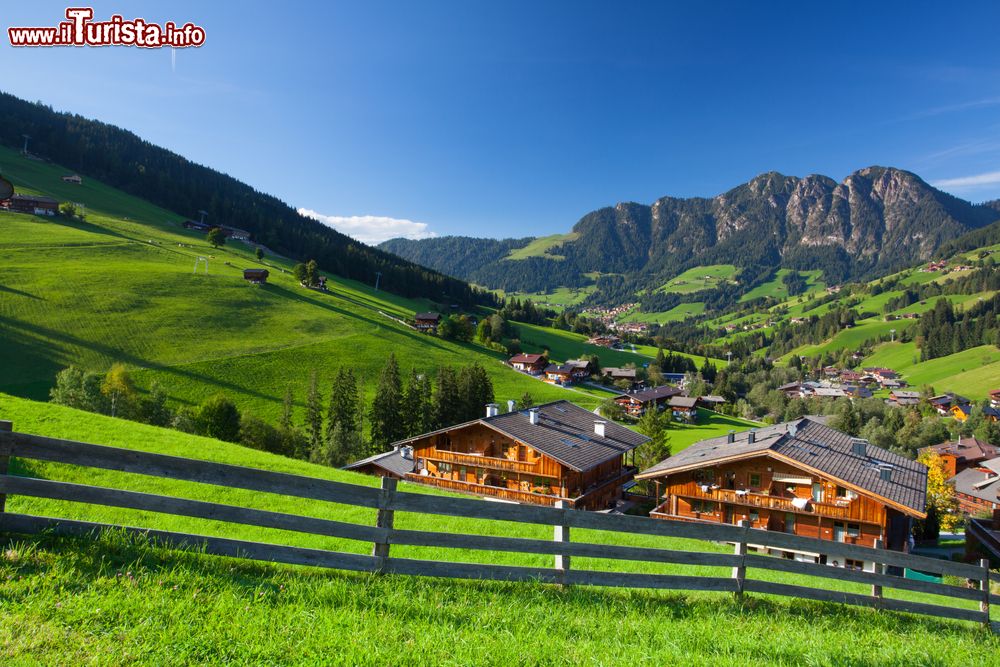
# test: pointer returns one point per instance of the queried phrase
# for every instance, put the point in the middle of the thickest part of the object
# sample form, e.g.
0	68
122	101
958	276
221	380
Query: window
842	492
445	468
817	494
851	564
754	516
838	531
853	530
702	506
789	522
755	480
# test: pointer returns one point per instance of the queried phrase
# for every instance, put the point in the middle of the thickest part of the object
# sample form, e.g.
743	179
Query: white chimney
492	409
510	405
599	427
533	415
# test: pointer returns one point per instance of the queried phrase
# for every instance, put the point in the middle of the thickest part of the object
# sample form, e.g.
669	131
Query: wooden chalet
426	321
977	487
711	402
635	405
560	374
535	364
557	451
961	411
627	374
962	453
256	276
943	403
582	369
684	408
791	390
800	477
902	398
33	205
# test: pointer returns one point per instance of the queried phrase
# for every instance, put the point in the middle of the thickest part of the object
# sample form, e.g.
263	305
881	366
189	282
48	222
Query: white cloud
372	229
969	182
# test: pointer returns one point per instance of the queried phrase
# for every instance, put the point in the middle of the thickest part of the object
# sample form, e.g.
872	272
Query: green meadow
700	278
119	600
123	286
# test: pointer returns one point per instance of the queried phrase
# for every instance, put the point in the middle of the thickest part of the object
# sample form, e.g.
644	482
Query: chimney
859	447
510	405
533	415
599	427
492	409
731	437
752	436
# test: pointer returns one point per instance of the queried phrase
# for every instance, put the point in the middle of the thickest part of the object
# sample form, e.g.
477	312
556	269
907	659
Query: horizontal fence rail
388	500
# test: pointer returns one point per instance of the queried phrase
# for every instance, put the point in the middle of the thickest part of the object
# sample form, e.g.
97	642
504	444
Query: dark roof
256	272
564	432
392	461
564	369
820	447
38	199
526	358
683	401
790	386
988	483
619	372
654	394
427	316
970	450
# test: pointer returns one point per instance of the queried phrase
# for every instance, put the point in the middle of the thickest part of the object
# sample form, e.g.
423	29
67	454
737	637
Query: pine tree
343	403
417	404
314	416
446	405
386	415
475	392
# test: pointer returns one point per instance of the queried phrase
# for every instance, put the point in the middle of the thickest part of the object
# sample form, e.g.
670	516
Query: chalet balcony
579	498
842	510
491	462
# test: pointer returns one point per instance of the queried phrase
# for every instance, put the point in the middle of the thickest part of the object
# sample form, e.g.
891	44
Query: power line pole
378	279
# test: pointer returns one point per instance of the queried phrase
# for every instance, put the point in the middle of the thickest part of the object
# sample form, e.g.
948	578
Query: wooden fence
388	500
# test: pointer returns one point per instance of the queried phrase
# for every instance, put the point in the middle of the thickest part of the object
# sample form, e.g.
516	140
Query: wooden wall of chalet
737	475
478	445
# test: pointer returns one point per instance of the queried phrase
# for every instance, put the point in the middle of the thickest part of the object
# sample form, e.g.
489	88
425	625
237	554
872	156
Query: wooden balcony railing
491	462
847	510
519	496
515	495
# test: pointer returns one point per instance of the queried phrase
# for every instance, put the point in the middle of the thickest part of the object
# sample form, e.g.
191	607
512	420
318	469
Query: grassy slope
120	286
677	313
776	288
564	345
700	278
114	602
540	247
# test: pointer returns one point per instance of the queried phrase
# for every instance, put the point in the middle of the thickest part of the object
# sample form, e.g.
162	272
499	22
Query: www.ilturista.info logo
81	30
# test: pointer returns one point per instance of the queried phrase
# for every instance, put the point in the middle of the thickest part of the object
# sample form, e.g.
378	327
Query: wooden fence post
561	534
740	570
879	569
5	427
380	550
984	585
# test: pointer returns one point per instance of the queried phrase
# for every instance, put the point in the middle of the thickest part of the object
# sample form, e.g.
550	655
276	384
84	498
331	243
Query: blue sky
514	119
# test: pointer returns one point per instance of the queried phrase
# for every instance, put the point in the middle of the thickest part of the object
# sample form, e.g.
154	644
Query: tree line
336	425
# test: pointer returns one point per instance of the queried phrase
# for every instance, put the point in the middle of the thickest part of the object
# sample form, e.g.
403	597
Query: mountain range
876	220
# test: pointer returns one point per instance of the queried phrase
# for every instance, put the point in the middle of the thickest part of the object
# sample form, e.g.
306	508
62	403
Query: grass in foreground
122	601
